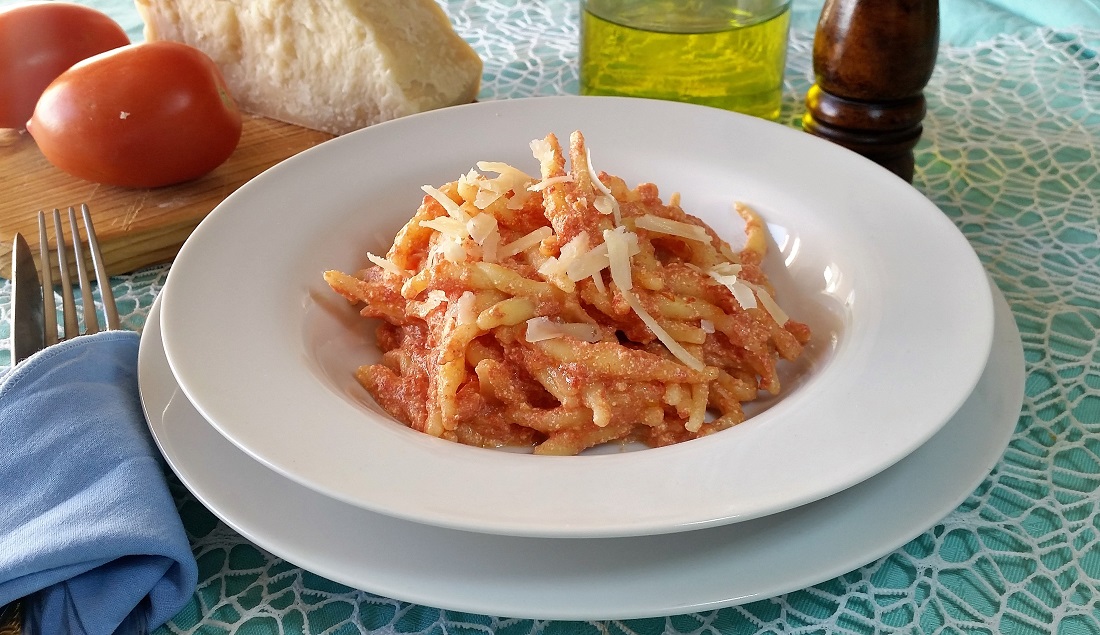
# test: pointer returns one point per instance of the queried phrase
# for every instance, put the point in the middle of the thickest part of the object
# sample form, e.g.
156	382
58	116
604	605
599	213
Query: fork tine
49	308
110	308
68	307
91	320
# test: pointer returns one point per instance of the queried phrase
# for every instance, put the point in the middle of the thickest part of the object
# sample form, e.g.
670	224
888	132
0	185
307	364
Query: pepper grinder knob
872	60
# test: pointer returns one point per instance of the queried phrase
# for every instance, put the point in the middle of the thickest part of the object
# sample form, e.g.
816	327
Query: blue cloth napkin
88	529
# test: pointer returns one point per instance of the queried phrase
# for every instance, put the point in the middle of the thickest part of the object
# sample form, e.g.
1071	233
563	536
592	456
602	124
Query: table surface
1010	154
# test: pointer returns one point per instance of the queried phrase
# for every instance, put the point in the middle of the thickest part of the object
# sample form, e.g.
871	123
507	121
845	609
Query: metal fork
71	326
11	614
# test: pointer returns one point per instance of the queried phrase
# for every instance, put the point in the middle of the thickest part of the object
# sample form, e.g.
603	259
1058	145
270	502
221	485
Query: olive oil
718	56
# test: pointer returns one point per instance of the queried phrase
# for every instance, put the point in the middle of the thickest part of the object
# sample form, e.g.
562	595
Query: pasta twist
566	311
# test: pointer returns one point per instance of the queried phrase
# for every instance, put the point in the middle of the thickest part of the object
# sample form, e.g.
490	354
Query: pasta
567	310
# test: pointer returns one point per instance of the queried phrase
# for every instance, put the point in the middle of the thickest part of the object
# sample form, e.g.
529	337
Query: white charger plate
897	299
595	578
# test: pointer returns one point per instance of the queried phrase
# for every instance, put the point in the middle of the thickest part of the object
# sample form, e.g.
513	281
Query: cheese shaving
707	326
483	229
464	309
663	225
671	344
740	290
605	203
770	305
491	247
597	280
588	264
591	262
542	151
511	179
542	328
618	256
480	227
486	197
550	267
504	169
618	243
525	242
386	265
453	208
449	227
434	299
453	249
727	269
470	179
556	266
545	183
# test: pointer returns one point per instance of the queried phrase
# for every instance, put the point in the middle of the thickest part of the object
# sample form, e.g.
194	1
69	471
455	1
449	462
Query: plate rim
837	514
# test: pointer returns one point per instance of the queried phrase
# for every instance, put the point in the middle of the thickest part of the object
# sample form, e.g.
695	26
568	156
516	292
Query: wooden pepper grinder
872	60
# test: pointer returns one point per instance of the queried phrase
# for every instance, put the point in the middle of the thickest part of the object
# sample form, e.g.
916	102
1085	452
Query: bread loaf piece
331	65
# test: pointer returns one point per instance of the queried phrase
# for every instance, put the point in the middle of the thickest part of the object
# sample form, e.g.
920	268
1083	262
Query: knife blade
27	315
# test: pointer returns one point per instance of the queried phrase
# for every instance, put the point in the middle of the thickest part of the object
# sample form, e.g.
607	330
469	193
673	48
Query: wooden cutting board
135	227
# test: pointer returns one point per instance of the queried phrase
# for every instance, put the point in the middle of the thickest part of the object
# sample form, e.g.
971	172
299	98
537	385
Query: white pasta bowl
899	304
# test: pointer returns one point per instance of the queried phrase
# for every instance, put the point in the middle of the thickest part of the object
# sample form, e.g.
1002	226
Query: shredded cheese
558	265
740	290
618	256
510	179
770	305
671	344
434	299
525	242
618	243
453	208
387	265
504	169
605	203
545	183
597	280
453	249
464	309
542	328
707	326
588	264
480	227
449	227
663	225
542	151
727	268
483	229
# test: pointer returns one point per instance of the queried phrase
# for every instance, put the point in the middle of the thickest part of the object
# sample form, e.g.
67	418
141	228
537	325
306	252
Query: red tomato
144	115
38	42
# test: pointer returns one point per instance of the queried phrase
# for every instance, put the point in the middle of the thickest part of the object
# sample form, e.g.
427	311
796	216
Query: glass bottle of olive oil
729	54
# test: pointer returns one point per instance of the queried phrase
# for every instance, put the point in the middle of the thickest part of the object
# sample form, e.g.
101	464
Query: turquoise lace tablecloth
1010	154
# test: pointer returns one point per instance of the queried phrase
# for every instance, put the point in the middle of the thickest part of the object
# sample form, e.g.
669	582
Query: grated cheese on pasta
453	208
663	225
525	242
516	357
384	263
779	315
545	183
543	328
605	203
739	288
464	309
618	253
510	179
